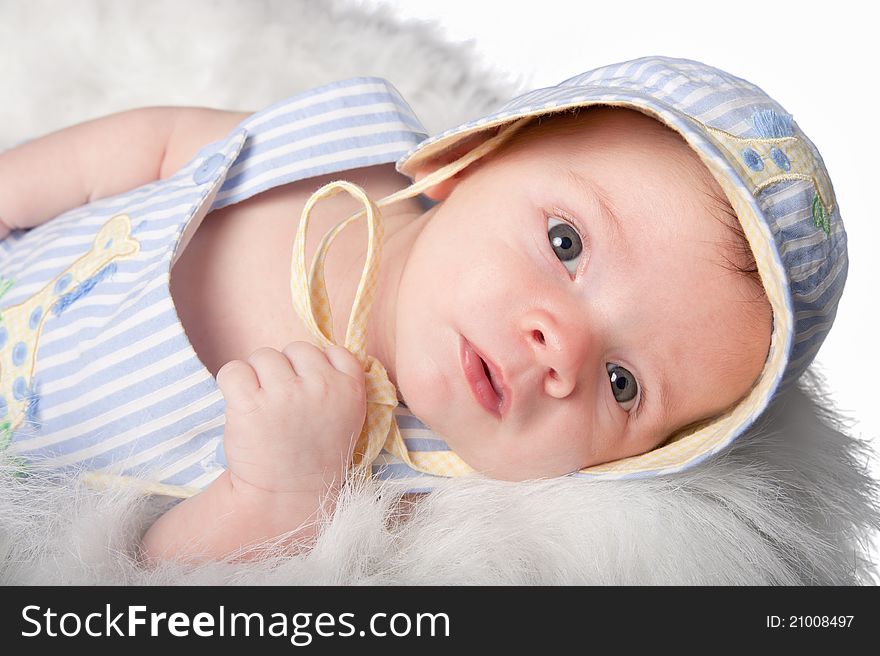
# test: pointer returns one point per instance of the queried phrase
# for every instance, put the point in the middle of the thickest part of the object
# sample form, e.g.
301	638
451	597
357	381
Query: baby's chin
423	389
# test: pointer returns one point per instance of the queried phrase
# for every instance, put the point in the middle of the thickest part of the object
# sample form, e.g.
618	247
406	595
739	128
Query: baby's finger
272	367
237	381
307	359
345	361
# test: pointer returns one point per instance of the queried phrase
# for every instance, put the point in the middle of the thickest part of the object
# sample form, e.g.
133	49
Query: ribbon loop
310	298
312	304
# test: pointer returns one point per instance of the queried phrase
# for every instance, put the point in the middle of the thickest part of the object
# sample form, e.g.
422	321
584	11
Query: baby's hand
292	417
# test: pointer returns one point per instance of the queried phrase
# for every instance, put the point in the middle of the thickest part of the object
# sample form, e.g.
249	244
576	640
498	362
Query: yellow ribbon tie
313	306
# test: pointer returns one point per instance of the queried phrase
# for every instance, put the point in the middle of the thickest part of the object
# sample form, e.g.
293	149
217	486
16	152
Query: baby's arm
292	418
42	178
230	516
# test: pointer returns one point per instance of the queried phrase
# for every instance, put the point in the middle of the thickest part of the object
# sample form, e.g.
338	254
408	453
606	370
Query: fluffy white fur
790	503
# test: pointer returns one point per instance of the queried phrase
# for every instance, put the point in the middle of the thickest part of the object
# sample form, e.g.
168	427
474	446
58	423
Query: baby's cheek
602	440
559	447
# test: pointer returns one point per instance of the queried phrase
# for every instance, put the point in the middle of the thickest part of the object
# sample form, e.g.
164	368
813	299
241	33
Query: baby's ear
441	190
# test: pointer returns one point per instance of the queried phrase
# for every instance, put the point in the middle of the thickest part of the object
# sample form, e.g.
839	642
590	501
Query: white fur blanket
790	503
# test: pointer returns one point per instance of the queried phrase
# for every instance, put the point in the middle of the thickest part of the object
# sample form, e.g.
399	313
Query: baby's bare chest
231	284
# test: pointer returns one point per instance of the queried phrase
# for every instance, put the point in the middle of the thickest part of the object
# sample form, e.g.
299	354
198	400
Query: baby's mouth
492	380
478	375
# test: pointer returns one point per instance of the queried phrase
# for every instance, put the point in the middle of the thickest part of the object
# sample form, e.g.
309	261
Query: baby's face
610	333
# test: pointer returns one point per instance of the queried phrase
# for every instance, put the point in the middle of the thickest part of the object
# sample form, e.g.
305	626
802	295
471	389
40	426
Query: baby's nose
560	352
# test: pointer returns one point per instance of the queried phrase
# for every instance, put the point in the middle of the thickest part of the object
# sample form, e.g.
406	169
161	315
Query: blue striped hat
776	182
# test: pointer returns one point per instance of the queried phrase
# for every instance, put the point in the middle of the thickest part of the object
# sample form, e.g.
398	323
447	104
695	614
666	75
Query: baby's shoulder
194	128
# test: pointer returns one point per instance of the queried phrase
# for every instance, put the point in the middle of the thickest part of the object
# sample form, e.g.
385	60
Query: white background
820	61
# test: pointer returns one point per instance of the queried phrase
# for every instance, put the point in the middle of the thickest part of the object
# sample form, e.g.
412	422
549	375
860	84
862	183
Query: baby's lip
497	380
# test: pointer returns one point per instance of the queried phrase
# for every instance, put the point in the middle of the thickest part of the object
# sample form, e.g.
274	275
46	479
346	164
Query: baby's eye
566	242
623	386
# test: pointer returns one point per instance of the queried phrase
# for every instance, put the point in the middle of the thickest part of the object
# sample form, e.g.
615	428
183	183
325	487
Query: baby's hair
743	260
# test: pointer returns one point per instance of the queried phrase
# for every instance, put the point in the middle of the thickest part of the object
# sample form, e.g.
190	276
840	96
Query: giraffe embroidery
21	325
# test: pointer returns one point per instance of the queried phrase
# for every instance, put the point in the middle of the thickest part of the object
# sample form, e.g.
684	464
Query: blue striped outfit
116	385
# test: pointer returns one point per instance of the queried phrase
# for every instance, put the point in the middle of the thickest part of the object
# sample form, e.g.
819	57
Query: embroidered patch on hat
780	152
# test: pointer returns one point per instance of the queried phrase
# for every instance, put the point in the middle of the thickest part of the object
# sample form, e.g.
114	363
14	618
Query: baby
615	277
